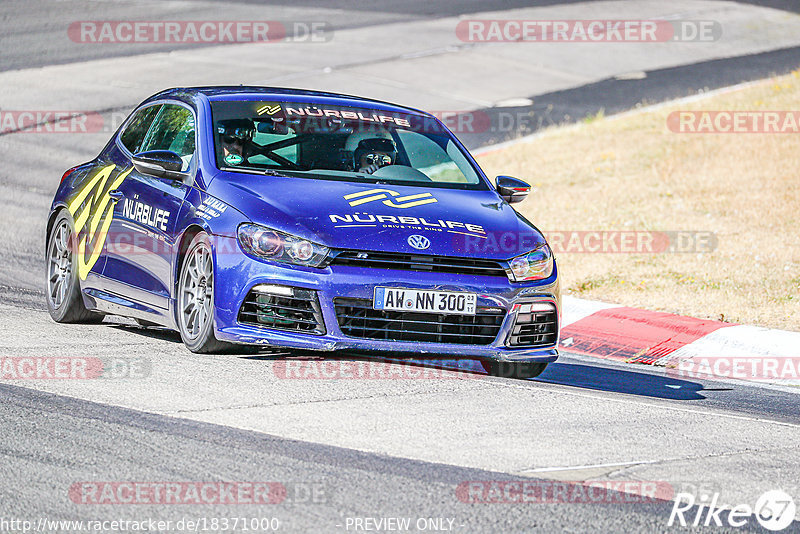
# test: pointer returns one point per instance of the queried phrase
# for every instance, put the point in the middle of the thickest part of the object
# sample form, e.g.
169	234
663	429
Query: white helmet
356	137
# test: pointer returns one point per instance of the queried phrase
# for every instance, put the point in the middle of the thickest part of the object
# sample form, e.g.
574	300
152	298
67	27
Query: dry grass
632	173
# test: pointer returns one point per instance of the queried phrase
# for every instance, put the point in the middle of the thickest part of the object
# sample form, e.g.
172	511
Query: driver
235	137
371	150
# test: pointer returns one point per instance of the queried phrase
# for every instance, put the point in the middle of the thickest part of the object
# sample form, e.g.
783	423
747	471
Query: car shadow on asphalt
153	332
621	381
576	375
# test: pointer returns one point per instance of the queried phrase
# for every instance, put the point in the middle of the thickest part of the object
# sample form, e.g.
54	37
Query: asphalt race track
402	446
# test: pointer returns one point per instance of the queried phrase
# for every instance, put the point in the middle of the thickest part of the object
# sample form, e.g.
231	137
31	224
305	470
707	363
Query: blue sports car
254	216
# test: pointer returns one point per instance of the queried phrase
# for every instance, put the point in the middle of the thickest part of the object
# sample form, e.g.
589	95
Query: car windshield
338	143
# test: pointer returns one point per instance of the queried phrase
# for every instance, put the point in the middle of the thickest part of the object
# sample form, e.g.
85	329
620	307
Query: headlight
536	265
272	245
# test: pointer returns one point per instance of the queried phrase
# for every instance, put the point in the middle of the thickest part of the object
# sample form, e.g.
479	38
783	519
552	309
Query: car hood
378	217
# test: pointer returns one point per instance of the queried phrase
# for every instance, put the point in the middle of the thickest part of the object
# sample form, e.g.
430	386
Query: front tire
519	370
64	299
196	298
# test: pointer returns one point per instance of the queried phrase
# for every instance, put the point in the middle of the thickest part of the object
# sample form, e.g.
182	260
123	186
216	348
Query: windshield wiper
273	172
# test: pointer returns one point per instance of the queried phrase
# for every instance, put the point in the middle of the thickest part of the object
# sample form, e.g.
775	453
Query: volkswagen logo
419	242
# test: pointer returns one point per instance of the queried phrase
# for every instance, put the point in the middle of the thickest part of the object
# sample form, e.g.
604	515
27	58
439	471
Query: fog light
274	290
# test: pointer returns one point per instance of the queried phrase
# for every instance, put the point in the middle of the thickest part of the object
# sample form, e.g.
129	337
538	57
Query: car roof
228	92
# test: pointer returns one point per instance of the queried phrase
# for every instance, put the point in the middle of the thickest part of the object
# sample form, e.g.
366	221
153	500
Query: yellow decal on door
93	216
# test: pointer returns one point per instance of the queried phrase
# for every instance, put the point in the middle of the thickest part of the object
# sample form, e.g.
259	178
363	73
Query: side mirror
159	163
511	189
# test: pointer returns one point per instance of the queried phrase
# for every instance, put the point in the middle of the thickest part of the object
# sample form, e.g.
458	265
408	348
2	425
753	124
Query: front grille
294	309
536	325
357	319
421	263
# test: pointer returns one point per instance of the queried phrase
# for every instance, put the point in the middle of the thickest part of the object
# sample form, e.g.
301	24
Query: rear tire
519	370
195	299
64	299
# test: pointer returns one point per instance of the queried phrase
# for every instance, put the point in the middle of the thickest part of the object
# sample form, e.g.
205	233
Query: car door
143	233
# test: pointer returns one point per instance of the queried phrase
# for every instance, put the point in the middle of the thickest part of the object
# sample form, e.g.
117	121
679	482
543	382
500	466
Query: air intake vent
357	319
536	325
283	308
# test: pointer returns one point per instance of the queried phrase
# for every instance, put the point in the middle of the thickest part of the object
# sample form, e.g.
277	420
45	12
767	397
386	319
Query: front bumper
236	274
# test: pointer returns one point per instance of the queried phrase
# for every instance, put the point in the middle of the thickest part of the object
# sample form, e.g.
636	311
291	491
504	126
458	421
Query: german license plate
425	301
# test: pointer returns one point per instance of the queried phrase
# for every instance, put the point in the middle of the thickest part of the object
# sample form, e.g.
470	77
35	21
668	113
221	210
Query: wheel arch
51	219
183	244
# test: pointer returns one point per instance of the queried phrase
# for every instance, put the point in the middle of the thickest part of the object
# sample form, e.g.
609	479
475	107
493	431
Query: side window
173	130
137	128
427	156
